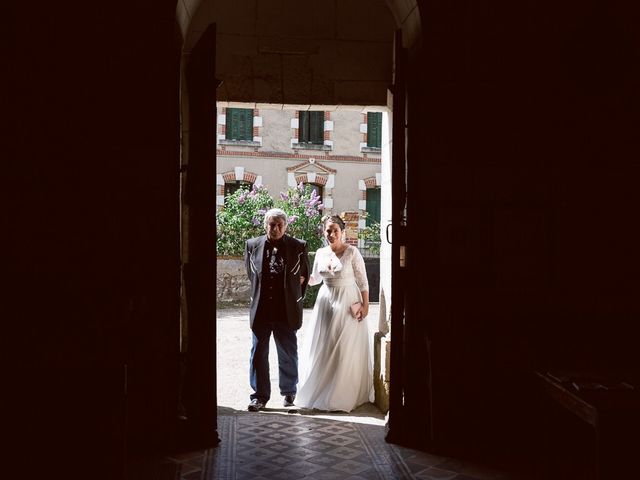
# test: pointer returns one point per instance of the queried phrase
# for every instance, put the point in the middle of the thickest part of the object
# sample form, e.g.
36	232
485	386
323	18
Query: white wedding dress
336	361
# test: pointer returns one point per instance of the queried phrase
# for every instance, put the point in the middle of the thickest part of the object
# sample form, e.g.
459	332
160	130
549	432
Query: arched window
231	187
318	189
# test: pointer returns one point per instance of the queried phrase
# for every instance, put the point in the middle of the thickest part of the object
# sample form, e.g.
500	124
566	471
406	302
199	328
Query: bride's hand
362	313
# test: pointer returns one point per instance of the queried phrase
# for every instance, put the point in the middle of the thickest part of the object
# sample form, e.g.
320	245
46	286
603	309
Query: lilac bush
304	208
243	214
241	219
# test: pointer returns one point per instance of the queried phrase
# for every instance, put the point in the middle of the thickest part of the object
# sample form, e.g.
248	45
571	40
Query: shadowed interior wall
522	199
304	53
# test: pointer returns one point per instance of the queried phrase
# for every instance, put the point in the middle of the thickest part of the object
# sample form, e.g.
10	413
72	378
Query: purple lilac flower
301	187
284	196
293	218
255	221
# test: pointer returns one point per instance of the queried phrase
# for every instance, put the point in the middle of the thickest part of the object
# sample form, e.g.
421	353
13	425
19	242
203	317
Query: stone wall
232	283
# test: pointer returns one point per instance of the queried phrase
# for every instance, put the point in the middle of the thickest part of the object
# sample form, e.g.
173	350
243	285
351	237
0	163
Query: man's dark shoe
255	405
288	400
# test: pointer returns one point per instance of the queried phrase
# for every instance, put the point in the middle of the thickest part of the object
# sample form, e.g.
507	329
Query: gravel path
234	344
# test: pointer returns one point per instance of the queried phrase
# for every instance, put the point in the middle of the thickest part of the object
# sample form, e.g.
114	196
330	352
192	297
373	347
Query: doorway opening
263	59
341	157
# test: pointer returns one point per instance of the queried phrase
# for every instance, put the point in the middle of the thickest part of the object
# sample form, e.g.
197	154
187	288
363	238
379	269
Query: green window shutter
311	127
374	129
239	124
373	205
303	127
316	124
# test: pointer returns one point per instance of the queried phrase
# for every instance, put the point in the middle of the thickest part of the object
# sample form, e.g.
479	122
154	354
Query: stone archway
259	65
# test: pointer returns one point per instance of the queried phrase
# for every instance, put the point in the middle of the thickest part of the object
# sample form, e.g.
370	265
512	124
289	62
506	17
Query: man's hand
302	279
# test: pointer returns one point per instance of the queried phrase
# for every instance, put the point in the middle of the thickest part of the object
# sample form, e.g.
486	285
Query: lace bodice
336	271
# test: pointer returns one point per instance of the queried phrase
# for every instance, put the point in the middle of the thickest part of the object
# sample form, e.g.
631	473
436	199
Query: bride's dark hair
334	219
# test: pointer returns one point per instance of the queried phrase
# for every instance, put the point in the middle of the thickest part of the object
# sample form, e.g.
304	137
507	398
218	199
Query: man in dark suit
278	267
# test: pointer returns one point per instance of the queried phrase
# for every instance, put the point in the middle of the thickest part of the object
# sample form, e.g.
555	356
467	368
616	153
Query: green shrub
242	217
371	237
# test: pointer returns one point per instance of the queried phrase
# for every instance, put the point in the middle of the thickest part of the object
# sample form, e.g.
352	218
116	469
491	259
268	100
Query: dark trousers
287	346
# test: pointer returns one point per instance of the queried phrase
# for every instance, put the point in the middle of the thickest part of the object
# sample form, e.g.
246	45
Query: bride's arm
360	273
364	310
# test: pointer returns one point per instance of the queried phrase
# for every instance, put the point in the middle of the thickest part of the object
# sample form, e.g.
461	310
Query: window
231	187
311	127
374	130
373	205
239	124
317	188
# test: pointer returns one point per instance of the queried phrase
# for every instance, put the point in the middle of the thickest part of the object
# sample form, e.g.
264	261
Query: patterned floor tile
327	475
336	429
352	467
279	447
282	460
254	454
256	430
324	460
254	442
295	430
340	440
273	446
299	440
346	453
301	453
320	447
263	468
304	468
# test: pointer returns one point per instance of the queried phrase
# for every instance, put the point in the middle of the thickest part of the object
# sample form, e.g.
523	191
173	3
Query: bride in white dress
336	371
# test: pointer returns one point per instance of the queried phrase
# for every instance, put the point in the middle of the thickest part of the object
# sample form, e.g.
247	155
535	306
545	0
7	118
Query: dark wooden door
199	368
396	236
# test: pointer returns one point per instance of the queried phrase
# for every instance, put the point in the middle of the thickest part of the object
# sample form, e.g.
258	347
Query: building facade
336	151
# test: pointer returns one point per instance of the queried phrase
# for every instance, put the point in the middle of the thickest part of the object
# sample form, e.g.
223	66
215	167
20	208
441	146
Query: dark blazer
296	265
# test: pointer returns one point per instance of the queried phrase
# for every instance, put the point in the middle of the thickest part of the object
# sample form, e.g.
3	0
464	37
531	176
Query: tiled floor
281	446
284	444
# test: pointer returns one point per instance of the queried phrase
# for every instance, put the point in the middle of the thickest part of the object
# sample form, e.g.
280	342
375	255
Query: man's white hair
276	213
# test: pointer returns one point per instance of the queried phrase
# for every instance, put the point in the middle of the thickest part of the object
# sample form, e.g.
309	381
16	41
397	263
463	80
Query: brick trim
320	179
284	155
230	176
322	167
370	182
